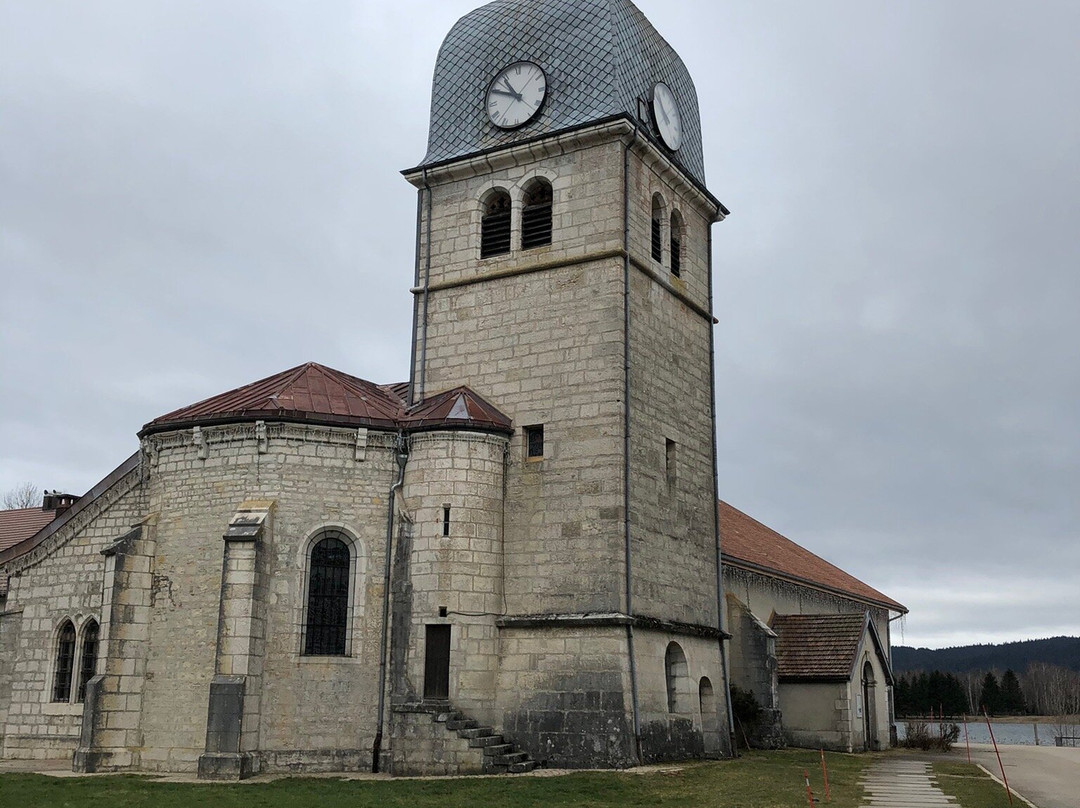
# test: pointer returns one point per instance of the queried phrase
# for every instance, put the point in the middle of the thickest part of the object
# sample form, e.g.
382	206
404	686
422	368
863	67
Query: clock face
667	116
516	95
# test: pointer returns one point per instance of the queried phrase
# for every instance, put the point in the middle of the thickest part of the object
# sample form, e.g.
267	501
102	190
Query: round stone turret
601	59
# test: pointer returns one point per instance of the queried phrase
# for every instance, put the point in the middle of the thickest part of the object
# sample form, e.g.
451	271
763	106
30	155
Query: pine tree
1012	699
991	694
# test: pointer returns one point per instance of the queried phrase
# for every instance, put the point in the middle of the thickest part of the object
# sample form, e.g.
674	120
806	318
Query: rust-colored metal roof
22	523
314	393
309	392
817	646
459	406
745	542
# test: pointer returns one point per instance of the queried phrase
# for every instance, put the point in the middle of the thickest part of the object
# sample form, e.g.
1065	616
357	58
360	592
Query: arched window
65	662
657	234
677	674
88	665
536	215
676	243
495	224
327	619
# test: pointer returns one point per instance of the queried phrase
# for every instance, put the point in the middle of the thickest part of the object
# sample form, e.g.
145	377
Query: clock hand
497	91
510	87
664	113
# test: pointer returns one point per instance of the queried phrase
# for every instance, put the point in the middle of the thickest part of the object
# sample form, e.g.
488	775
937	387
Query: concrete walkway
896	783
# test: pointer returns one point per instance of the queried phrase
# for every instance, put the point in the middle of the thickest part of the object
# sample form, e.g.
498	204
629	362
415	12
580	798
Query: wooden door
437	663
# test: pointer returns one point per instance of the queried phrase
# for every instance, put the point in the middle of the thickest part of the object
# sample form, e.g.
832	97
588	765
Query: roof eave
732	561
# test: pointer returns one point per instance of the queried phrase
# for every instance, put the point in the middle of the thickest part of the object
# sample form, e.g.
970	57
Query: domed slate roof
599	56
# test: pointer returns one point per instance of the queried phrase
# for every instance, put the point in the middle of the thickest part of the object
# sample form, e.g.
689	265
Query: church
515	558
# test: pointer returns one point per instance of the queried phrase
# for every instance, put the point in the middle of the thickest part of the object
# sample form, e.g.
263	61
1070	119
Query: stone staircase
500	756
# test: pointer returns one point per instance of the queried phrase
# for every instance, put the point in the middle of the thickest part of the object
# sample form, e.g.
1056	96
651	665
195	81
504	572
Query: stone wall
457	578
317	478
672	491
565	695
61	579
818	715
539	333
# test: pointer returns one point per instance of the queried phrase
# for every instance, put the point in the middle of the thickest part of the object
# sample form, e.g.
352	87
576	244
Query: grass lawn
757	780
970	785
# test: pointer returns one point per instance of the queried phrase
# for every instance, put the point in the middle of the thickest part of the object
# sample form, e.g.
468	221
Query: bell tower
564	273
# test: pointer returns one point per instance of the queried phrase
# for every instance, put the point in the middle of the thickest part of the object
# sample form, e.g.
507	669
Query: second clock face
667	116
516	95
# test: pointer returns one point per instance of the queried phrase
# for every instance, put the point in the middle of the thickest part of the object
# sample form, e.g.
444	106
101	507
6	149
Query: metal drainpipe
716	517
402	457
626	444
427	286
416	302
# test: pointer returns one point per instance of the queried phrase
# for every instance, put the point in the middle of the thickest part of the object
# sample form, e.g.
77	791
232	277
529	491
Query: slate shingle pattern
599	56
817	646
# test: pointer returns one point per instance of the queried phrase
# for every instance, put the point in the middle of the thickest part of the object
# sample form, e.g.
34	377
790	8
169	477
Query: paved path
1047	776
894	783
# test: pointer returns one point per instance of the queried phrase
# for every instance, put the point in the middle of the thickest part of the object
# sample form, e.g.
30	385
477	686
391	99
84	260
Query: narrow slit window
446	520
656	230
89	658
65	662
534	441
676	244
536	215
495	225
671	464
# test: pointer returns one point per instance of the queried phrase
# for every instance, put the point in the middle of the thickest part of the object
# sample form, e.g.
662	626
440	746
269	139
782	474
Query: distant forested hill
1063	651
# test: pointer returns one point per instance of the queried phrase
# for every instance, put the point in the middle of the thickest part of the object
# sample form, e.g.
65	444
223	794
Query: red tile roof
817	646
22	523
746	543
314	393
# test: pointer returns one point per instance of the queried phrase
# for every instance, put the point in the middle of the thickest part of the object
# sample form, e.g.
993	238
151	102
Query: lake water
1018	734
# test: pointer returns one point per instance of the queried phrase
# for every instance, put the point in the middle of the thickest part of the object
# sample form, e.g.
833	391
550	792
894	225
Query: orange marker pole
809	793
825	774
998	753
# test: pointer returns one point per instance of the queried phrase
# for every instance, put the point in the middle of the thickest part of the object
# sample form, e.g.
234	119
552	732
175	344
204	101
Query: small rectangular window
534	441
671	458
446	520
656	240
676	257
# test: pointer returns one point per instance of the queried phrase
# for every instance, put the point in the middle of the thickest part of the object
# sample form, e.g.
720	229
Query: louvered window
676	244
328	599
495	226
536	216
657	235
65	662
89	657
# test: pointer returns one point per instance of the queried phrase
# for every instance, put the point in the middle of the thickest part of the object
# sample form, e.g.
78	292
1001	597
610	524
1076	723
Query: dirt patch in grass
757	780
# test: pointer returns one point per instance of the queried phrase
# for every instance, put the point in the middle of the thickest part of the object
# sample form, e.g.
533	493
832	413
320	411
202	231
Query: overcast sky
195	195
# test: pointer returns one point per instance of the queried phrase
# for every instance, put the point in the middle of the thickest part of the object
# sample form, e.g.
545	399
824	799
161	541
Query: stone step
442	718
499	749
486	741
476	732
455	724
512	758
522	767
